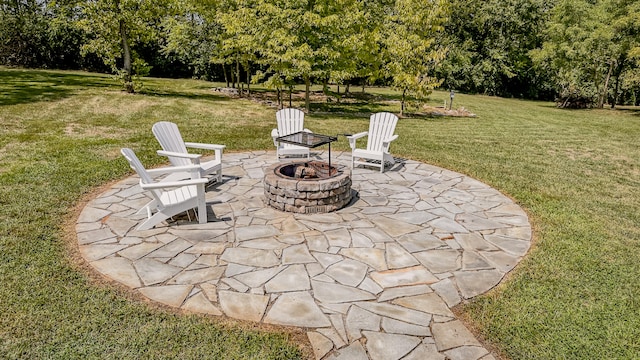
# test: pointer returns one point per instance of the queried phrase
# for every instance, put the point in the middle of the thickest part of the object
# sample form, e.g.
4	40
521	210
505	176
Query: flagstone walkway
374	280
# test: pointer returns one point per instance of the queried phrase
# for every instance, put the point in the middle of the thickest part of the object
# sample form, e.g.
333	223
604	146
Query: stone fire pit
307	187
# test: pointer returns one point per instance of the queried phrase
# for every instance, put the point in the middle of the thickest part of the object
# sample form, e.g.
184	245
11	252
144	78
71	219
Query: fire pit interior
307	170
307	187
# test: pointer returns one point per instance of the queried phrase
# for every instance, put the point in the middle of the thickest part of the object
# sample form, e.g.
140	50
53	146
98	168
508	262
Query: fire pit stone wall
306	196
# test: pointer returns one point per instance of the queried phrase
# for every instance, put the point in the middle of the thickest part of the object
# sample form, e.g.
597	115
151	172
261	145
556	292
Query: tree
319	41
305	39
626	34
116	26
370	33
23	32
280	46
489	43
309	40
588	43
239	40
410	46
195	37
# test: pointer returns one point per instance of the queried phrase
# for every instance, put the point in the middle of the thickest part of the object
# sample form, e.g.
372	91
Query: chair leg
147	208
387	158
154	220
202	205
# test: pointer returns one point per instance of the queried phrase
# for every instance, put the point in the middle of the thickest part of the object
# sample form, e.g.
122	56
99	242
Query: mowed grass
577	174
59	140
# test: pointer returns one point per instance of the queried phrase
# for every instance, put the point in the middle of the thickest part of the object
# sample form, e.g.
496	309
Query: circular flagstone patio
374	280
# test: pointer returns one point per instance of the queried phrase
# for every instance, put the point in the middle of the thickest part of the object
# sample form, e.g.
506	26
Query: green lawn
577	173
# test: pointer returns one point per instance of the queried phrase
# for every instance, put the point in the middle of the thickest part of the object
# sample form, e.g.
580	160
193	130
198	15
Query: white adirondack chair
169	197
289	121
175	149
380	135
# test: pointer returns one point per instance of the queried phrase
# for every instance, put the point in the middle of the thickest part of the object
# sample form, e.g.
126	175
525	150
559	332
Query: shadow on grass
364	111
22	86
344	116
632	110
355	109
629	109
184	95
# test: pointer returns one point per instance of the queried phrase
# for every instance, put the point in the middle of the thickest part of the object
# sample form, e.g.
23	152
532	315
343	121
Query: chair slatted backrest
381	127
289	121
170	139
136	165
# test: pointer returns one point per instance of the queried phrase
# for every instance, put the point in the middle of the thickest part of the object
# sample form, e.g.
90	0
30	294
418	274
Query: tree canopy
115	26
587	44
488	43
584	52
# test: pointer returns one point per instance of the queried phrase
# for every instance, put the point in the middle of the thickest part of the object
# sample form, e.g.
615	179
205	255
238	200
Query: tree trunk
404	92
279	97
603	94
248	78
240	86
307	86
233	76
615	93
618	74
290	91
126	55
226	78
346	90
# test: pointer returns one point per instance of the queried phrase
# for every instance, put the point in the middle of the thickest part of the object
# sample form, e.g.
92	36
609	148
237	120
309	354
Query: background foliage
489	43
582	52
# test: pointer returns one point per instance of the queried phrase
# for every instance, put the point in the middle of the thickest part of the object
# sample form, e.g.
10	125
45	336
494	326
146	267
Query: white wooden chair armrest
179	154
354	137
204	146
216	147
174	184
385	142
172	169
358	135
274	135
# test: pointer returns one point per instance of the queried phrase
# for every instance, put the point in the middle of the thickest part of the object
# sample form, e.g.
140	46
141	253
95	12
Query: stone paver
383	346
374	280
297	309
